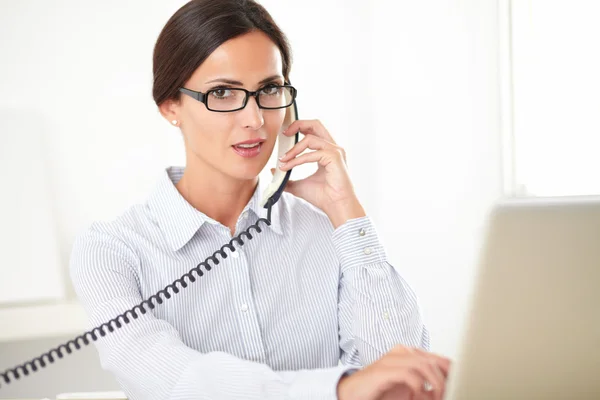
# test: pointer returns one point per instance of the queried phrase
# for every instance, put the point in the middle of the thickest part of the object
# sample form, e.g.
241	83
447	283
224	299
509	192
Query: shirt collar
180	221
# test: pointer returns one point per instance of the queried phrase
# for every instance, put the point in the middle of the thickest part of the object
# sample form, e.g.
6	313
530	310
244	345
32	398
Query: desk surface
115	395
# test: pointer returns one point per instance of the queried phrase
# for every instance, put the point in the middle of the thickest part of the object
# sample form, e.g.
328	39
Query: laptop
533	329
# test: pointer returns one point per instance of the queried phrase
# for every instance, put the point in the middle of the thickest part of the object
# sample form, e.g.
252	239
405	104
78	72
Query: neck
220	197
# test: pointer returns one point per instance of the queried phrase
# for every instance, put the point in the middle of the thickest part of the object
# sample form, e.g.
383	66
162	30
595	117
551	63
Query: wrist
340	212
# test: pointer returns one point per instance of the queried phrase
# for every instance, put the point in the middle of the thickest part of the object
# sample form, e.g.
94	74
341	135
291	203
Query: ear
170	110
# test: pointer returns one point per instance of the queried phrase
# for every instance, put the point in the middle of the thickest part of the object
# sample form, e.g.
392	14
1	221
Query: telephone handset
285	143
270	196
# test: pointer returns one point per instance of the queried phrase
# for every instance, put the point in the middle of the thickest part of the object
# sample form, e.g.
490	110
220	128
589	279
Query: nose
252	115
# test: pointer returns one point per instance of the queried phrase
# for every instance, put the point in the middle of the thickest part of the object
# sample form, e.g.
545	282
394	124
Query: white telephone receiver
285	143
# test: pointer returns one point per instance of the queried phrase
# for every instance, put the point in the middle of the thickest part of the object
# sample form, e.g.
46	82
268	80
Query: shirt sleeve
377	309
147	356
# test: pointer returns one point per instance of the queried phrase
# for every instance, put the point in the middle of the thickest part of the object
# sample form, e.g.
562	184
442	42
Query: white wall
555	68
435	80
418	116
27	213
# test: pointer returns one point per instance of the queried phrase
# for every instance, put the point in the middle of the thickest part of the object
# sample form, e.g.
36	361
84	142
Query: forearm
150	361
377	308
386	306
220	375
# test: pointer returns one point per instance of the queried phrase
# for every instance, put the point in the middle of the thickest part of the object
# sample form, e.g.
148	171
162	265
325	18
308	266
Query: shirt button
386	315
367	250
362	232
244	307
244	214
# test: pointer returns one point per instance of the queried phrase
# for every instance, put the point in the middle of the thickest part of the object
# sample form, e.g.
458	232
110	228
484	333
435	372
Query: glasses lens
276	97
225	99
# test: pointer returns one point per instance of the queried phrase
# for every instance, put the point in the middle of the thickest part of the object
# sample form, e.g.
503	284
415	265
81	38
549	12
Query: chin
248	171
249	167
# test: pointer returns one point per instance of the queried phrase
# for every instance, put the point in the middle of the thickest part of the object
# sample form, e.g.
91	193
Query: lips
248	148
250	142
247	145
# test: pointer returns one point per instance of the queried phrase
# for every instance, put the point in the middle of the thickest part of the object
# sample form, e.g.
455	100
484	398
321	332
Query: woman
275	318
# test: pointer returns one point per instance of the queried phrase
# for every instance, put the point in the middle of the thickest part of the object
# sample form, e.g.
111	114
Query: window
551	101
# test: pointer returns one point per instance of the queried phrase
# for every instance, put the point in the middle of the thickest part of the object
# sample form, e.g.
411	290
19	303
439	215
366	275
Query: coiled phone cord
133	312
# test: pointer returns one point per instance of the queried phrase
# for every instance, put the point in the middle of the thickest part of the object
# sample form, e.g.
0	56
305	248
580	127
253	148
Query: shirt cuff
319	384
356	243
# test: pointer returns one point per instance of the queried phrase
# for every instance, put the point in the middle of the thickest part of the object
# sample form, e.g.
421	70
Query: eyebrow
233	82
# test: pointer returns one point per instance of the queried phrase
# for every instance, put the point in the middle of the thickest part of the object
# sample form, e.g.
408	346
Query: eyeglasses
270	97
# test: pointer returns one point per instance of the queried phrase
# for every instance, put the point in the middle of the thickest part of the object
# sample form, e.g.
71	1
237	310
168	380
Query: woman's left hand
329	188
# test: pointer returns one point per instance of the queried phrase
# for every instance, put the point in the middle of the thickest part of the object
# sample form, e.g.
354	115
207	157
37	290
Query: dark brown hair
196	30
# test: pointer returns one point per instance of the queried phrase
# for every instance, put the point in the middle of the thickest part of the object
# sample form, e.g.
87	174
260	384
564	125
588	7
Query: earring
174	122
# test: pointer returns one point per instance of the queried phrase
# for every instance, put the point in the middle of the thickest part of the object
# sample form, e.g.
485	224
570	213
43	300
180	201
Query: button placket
245	307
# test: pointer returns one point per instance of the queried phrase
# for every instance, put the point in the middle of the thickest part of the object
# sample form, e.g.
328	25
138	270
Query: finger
413	381
421	365
424	396
308	142
438	386
434	378
323	157
309	127
442	362
401	392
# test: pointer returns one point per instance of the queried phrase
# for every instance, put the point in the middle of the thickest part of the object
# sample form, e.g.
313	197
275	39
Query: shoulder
104	264
111	242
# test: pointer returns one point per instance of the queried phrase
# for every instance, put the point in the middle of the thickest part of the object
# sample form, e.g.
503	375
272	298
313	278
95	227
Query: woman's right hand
401	374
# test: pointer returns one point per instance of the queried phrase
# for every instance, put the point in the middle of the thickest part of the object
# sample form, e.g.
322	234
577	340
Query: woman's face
212	138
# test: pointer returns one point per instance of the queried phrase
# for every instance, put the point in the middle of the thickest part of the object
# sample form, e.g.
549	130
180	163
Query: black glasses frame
203	97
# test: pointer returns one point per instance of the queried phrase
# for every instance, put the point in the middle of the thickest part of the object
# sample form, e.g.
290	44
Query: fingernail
281	164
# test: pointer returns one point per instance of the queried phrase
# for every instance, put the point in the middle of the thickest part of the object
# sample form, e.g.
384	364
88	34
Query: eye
222	93
271	90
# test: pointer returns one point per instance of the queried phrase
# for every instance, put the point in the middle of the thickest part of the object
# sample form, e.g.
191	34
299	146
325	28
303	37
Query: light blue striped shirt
283	317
